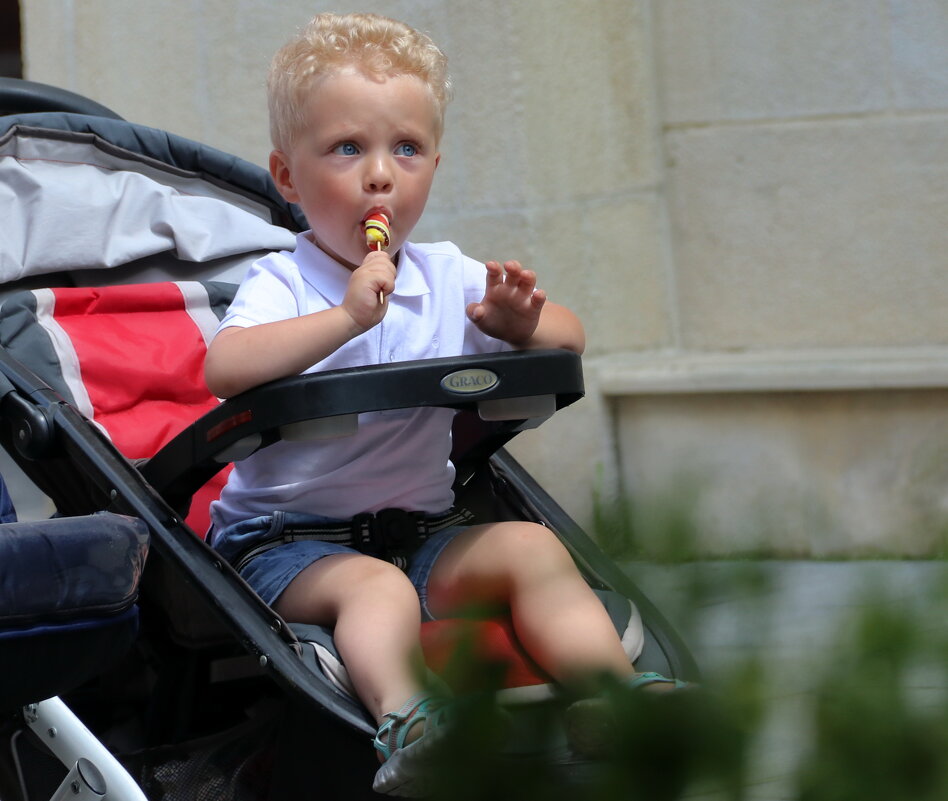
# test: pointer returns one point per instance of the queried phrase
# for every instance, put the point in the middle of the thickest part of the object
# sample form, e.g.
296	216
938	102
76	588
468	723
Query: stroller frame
40	428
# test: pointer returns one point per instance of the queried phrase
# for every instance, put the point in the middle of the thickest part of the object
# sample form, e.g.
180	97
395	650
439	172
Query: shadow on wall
11	58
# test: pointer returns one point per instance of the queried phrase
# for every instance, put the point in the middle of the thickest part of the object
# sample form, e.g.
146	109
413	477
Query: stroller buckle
389	531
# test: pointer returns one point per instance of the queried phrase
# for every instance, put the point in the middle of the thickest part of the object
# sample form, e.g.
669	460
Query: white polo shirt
398	459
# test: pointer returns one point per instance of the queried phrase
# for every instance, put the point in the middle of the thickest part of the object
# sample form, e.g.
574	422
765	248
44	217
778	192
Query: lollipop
377	235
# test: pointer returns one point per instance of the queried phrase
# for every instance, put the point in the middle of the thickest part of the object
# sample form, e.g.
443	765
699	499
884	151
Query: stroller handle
18	96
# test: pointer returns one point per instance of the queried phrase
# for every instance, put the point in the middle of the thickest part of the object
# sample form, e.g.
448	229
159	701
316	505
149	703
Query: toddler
357	108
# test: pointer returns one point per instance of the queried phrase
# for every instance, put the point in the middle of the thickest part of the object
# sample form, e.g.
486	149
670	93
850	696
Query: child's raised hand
372	280
510	309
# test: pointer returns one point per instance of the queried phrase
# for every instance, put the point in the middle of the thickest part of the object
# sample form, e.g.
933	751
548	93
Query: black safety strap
390	534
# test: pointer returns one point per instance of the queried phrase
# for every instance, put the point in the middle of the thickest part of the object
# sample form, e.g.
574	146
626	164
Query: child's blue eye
346	149
406	149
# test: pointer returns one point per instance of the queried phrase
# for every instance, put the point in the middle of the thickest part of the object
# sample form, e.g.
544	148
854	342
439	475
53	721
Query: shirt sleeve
267	294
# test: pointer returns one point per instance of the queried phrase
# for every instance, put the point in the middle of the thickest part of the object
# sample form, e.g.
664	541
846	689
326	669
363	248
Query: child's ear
282	176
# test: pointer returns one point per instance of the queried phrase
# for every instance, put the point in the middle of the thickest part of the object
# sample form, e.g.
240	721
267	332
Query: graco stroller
120	250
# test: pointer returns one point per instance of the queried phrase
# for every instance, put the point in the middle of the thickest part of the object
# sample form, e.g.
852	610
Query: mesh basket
233	765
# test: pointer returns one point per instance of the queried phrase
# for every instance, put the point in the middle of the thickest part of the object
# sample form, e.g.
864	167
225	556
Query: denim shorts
269	573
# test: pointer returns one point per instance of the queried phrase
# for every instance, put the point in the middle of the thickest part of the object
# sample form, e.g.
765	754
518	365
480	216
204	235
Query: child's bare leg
557	617
377	617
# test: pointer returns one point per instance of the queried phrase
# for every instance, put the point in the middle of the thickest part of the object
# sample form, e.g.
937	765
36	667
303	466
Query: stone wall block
811	235
141	61
484	159
48	32
569	454
728	60
587	112
816	474
607	265
919	55
495	235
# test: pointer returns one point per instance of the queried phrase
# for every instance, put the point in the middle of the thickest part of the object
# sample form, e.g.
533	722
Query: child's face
369	146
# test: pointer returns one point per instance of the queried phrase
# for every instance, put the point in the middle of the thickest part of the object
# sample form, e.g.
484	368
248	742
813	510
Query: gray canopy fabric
85	193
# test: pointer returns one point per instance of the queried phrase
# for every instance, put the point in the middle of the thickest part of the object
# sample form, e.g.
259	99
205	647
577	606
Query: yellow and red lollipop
378	235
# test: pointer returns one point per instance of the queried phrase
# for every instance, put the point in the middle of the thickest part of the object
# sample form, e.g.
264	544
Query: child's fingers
475	311
369	285
495	275
377	256
513	286
519	278
384	288
513	270
527	281
377	263
377	282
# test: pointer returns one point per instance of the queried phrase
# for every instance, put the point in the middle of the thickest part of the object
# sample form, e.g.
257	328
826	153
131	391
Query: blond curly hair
377	45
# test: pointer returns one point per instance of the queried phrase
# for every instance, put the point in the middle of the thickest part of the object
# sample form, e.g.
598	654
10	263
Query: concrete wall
743	201
801	405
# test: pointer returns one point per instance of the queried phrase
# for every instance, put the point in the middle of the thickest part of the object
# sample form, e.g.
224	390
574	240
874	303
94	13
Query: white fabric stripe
530	694
334	669
198	307
65	352
633	639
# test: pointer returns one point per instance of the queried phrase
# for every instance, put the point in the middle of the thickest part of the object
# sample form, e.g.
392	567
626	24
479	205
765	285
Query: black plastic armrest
514	386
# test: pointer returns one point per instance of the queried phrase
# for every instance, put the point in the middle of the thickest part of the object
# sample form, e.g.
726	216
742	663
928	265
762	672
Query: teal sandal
591	723
405	770
641	680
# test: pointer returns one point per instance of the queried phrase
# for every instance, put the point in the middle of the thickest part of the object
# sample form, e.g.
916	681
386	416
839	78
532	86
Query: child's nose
378	176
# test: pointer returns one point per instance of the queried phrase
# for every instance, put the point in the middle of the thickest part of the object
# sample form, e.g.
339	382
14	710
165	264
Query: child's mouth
377	213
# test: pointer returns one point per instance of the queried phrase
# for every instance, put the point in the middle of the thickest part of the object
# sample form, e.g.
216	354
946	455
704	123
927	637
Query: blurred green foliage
874	716
872	738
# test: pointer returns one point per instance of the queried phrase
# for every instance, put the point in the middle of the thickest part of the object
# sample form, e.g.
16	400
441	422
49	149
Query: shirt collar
331	279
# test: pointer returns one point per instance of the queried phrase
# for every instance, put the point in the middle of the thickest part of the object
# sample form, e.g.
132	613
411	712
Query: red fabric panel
142	362
474	655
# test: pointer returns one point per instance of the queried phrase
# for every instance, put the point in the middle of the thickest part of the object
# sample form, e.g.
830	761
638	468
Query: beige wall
743	201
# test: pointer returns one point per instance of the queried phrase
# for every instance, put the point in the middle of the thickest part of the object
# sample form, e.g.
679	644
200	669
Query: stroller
120	250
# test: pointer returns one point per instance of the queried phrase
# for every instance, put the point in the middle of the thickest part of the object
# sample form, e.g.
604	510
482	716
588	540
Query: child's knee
532	545
321	591
380	579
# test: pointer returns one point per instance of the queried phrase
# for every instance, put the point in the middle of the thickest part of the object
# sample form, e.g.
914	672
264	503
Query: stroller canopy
73	187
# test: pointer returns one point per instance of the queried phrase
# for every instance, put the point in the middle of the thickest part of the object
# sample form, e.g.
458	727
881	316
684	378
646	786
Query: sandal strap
640	680
393	732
